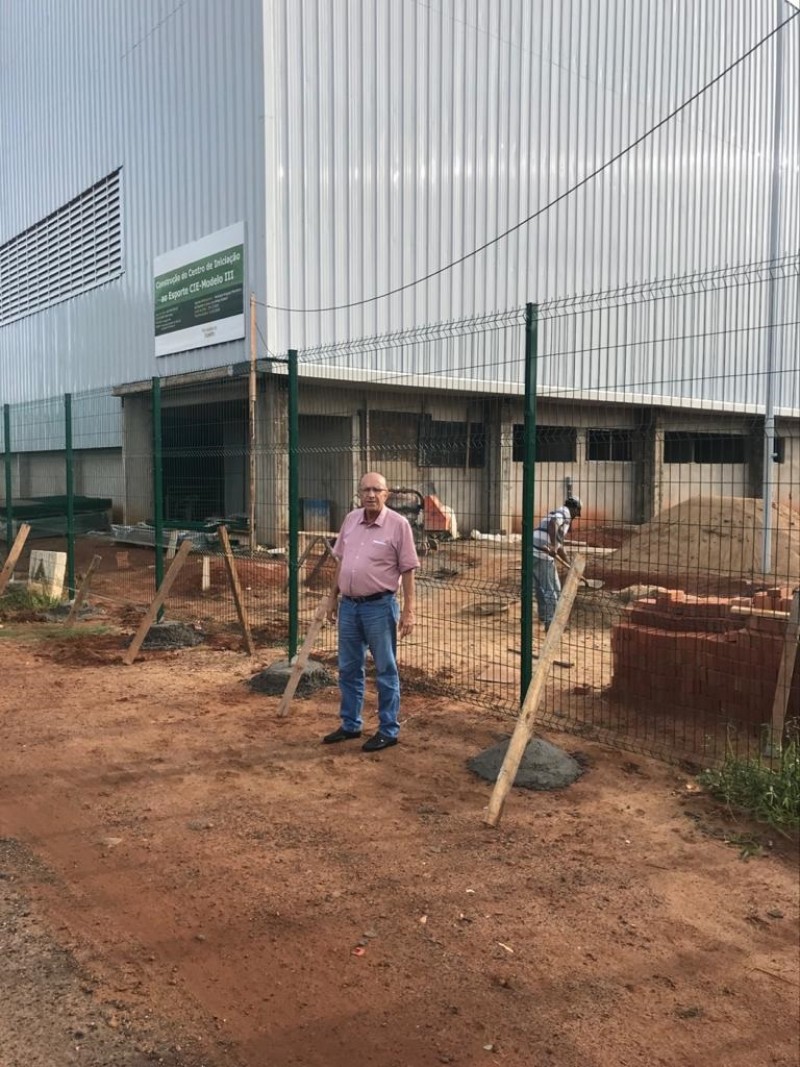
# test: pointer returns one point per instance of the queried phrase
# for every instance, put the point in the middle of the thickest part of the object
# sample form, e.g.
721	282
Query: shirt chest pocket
380	550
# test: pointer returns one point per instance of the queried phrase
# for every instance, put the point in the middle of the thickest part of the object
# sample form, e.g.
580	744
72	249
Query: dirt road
187	880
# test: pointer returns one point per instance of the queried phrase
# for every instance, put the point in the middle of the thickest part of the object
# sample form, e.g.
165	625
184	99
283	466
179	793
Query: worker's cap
573	503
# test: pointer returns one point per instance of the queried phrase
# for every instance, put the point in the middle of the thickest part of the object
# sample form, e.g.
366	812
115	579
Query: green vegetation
20	598
23	612
51	631
767	789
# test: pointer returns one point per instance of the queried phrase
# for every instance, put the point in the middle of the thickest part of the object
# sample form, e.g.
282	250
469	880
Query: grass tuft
20	598
767	789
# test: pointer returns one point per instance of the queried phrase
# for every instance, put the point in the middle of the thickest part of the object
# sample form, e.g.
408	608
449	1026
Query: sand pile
715	536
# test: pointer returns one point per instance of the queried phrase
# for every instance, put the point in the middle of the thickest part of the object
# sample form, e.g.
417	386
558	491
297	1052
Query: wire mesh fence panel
632	431
98	478
692	523
36	474
439	451
65	460
648	408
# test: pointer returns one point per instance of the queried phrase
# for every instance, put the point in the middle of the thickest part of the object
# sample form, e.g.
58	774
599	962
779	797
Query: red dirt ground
215	869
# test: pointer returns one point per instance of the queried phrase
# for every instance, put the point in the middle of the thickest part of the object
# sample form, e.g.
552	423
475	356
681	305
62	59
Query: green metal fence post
70	481
158	485
7	464
294	504
528	502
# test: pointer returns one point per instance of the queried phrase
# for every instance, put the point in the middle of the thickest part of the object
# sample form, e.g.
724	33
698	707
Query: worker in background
548	547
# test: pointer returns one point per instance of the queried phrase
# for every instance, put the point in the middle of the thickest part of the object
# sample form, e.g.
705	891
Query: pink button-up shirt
374	554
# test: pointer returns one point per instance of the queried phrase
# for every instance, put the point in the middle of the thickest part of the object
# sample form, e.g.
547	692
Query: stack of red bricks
704	653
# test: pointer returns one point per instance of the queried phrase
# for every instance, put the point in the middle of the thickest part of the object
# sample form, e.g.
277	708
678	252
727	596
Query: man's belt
366	599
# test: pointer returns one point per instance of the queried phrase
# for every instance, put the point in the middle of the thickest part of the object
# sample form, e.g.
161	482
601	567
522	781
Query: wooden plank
174	569
80	596
233	577
530	706
13	556
307	549
300	661
589	583
785	674
761	613
172	544
327	545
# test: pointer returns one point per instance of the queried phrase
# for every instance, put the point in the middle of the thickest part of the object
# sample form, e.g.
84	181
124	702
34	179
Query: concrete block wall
695	654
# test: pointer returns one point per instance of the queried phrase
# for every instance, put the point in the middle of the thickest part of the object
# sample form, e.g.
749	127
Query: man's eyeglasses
372	489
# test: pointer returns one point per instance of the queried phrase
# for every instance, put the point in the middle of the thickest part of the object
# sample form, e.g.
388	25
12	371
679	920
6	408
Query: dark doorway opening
325	466
204	460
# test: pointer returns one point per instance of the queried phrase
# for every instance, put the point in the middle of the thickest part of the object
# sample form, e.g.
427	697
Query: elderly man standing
375	554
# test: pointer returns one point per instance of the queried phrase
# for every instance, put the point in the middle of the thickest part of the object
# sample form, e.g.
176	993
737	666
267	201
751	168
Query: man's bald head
373	491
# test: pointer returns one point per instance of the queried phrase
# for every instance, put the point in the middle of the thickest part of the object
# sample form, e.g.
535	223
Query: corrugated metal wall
368	143
172	93
406	135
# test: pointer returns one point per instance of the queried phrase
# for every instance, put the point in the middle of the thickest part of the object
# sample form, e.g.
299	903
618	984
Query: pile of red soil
718	536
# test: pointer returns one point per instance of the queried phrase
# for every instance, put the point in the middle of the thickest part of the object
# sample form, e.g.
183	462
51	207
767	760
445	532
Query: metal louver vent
76	248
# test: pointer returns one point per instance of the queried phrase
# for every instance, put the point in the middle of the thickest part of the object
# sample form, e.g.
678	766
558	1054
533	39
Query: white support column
137	457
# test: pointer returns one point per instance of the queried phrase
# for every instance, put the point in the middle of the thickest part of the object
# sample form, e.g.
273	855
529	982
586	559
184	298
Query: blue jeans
372	626
546	585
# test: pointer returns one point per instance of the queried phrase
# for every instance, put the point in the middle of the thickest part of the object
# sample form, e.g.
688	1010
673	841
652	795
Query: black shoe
341	735
378	742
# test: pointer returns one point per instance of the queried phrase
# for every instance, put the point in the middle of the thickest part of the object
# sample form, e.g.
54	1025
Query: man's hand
406	625
330	607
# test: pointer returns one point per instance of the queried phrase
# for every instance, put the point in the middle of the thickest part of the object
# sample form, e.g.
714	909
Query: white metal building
358	146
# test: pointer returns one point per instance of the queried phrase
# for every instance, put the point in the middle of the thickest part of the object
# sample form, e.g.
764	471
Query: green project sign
199	293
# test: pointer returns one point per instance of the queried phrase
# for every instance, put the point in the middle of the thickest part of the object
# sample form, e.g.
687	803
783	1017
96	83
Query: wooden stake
80	596
158	600
327	546
13	556
205	580
300	661
527	716
785	674
233	577
758	613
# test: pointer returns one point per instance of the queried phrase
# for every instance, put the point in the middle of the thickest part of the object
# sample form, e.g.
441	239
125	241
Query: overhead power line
552	203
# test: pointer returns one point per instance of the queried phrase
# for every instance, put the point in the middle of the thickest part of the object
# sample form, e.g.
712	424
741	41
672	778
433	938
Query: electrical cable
157	26
552	203
699	285
267	349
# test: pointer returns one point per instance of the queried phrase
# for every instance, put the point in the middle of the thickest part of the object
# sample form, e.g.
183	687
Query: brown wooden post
233	577
300	661
158	600
783	687
533	697
80	596
13	555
